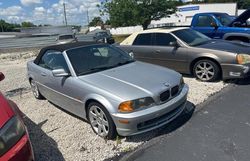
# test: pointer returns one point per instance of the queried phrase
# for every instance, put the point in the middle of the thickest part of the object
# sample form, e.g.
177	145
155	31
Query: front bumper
22	151
151	118
231	71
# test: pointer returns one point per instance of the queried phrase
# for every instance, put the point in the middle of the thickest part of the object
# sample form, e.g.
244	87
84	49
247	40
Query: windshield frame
99	68
206	39
224	15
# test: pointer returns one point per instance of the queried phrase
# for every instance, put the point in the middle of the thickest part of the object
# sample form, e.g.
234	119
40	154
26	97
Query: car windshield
191	37
224	19
97	58
65	37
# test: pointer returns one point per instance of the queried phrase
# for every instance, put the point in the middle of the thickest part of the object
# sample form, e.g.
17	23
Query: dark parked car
190	52
66	38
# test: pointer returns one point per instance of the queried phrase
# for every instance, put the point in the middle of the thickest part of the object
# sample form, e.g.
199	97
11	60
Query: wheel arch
30	77
237	36
98	99
204	58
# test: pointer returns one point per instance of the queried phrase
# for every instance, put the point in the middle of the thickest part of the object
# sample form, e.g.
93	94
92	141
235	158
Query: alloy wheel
205	71
98	121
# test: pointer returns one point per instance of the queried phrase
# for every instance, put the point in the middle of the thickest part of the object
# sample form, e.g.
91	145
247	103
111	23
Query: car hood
134	80
242	17
6	111
228	46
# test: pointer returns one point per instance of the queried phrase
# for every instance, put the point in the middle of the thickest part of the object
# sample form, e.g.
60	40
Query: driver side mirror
174	44
1	76
213	24
60	73
131	54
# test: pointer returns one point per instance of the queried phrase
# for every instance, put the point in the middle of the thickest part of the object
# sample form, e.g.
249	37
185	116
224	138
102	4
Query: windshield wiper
125	62
202	43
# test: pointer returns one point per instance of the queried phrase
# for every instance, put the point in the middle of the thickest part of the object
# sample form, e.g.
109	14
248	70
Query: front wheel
206	70
101	121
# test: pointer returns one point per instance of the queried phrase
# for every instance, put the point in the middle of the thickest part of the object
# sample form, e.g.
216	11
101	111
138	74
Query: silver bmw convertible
104	85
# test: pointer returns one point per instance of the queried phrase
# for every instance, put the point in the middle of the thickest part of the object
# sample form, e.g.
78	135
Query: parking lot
57	135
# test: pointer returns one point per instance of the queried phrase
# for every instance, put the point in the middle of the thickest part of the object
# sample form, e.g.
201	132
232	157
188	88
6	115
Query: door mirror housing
60	73
213	24
1	76
174	44
131	54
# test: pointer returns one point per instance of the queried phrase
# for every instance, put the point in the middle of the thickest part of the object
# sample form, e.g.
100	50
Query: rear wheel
206	70
101	121
35	90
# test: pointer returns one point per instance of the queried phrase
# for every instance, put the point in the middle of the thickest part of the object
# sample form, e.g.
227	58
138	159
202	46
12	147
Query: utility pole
88	15
65	16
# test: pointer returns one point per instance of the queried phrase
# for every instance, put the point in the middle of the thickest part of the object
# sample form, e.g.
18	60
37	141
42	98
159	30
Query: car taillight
10	134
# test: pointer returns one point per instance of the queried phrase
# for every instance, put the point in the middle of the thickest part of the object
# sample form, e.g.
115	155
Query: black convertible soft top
62	47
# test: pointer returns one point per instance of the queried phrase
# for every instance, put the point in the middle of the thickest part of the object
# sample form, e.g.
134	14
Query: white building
185	13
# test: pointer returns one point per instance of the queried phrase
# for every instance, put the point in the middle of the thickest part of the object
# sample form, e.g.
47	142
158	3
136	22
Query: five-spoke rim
205	71
98	120
34	89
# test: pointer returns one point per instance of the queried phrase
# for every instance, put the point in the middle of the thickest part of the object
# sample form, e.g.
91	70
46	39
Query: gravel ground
57	135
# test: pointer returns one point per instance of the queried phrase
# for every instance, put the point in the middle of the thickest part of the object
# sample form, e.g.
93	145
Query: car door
143	48
58	90
169	53
204	25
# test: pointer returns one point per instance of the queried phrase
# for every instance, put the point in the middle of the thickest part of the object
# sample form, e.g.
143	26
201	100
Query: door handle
43	74
157	51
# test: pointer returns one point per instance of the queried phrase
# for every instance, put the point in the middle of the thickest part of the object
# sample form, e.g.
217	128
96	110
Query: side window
163	39
205	21
53	60
143	39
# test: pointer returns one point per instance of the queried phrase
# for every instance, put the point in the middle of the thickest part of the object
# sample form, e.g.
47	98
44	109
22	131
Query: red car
14	138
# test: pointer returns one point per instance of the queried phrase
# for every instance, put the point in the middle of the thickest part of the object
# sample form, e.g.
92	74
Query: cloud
13	18
53	13
30	2
11	11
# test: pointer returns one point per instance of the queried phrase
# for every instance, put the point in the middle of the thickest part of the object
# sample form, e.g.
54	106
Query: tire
35	90
101	121
206	71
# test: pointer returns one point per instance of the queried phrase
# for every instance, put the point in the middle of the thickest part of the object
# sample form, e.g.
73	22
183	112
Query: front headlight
10	134
129	106
243	59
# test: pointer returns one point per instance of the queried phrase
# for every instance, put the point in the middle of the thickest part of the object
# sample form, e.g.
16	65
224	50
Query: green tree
96	21
107	22
8	27
243	4
136	12
27	24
